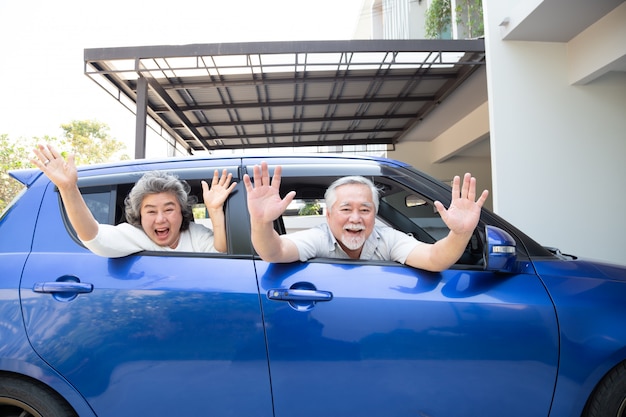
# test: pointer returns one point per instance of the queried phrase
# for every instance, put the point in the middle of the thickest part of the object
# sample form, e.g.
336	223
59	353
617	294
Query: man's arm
265	206
64	175
461	218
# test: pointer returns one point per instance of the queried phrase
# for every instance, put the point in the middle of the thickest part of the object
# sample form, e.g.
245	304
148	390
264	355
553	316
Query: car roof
28	176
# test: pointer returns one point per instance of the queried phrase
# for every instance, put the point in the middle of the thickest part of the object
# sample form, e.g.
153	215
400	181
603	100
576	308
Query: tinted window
99	206
101	203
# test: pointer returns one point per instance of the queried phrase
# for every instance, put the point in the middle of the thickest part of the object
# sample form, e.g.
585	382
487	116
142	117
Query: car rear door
150	334
382	339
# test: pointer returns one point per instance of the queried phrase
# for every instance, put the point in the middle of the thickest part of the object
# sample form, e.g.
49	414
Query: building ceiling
286	94
566	20
556	20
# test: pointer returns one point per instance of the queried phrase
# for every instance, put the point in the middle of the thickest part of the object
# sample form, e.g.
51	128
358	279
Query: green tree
438	18
469	17
311	208
89	140
13	155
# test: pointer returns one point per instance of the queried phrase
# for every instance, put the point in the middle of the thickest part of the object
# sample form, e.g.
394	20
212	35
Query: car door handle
284	294
55	287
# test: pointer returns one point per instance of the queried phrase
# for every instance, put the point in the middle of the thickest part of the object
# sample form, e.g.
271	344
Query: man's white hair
331	192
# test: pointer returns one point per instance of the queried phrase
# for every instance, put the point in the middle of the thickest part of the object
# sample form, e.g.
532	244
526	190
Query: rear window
13	201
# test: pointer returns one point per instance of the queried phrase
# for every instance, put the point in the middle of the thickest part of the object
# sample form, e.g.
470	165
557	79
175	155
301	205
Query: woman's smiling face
161	218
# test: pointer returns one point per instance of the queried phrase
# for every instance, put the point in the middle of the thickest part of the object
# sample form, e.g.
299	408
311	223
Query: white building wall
420	155
392	19
417	19
557	149
396	23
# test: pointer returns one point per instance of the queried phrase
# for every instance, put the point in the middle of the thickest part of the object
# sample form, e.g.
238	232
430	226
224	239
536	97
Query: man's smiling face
351	218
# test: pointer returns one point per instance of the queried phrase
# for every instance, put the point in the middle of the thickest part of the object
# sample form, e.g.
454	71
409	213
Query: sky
42	44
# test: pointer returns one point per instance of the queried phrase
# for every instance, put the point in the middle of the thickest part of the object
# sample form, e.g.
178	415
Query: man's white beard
352	242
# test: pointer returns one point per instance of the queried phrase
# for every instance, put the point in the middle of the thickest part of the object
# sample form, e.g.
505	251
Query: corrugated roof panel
289	93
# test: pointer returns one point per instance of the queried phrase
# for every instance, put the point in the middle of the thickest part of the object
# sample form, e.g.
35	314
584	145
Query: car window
101	202
201	215
99	205
400	207
106	202
18	195
414	214
303	214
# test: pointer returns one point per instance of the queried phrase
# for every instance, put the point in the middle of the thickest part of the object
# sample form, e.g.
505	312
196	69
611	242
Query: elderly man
350	231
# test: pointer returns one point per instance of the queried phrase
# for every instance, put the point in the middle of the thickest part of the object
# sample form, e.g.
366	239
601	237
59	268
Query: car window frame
381	175
113	182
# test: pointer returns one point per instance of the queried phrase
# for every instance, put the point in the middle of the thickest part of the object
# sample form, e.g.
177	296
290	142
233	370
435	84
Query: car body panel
165	335
397	341
590	304
16	354
162	330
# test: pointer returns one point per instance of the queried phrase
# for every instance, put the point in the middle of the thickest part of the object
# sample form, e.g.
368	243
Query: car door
149	334
382	339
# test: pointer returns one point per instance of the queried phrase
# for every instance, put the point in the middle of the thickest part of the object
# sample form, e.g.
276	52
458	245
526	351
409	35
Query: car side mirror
500	251
413	200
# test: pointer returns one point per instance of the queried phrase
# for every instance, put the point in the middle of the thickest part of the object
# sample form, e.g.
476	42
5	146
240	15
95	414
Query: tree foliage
12	156
468	17
311	208
438	18
88	140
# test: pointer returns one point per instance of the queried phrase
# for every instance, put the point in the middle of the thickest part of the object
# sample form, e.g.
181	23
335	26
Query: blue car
512	329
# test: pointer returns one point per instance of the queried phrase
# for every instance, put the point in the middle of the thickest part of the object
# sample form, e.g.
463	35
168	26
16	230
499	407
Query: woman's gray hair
156	182
331	192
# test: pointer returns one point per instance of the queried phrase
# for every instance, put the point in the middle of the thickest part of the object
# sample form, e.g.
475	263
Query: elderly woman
158	211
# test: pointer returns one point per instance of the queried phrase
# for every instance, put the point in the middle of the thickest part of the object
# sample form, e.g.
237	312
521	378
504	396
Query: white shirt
384	244
125	239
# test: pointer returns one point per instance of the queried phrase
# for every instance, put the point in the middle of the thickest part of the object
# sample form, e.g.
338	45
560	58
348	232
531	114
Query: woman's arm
64	175
214	199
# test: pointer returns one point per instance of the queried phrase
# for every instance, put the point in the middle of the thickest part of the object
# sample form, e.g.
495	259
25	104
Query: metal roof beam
248	48
313	133
299	120
323	102
190	85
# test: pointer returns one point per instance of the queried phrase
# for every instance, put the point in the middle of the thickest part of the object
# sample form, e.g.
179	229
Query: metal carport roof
277	94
